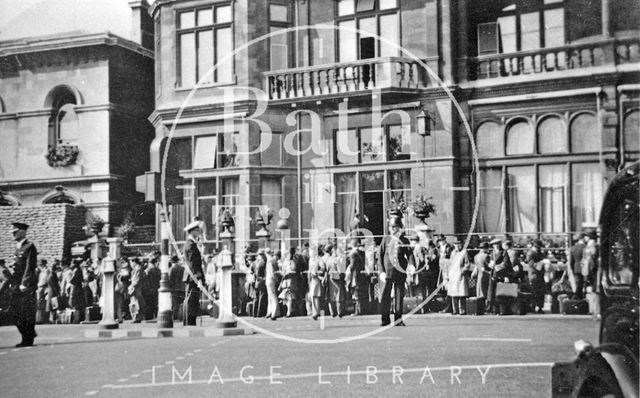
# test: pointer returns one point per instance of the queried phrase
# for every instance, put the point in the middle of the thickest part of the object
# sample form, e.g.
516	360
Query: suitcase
520	306
410	303
65	316
574	307
594	303
557	303
92	314
475	306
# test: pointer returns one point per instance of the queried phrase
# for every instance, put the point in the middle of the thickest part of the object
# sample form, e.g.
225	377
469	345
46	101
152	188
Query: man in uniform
395	256
23	285
193	260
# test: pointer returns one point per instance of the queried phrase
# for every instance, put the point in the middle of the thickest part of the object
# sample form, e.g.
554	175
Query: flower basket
62	155
422	207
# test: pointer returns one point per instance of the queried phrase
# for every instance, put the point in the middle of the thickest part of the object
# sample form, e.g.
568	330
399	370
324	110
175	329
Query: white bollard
108	271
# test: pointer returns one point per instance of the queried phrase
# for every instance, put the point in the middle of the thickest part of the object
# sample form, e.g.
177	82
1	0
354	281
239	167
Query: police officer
23	284
193	260
395	256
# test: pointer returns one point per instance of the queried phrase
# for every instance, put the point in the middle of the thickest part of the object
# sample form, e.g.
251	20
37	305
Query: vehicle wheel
597	380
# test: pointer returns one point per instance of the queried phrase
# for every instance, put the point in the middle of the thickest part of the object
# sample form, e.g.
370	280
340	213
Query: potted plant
422	207
126	230
263	218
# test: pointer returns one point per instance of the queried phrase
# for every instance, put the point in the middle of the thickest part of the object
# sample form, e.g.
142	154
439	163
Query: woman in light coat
317	274
458	279
272	282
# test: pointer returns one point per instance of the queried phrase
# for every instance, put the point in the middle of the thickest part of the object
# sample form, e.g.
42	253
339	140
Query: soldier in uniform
193	260
23	285
395	256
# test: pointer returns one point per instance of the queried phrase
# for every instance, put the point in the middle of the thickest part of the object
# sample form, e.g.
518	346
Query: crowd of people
337	278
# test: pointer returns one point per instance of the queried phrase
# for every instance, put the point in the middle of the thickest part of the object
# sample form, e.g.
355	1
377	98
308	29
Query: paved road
435	356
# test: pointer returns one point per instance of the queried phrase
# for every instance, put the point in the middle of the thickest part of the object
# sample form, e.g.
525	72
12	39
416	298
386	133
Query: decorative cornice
49	43
109	107
198	113
56	181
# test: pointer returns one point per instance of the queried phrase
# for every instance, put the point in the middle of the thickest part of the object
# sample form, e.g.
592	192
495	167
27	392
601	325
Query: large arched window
632	131
7	199
584	133
63	123
61	195
520	139
552	135
489	140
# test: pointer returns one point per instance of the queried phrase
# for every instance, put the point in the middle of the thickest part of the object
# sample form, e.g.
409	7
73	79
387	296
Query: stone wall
52	228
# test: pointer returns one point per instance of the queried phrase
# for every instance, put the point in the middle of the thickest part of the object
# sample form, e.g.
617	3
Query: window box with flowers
62	155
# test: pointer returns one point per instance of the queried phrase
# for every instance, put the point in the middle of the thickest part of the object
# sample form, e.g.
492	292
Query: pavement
434	355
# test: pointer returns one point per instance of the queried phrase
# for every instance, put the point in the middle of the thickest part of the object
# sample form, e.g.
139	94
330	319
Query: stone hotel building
549	89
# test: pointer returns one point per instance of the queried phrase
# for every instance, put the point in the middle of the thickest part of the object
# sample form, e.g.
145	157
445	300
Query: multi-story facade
76	88
548	88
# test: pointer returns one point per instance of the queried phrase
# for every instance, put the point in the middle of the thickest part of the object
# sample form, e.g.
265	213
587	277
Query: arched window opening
490	140
552	136
585	136
520	138
632	131
63	123
61	195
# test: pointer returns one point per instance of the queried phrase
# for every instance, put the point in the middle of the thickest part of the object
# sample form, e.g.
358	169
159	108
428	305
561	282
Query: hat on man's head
495	241
441	238
192	226
19	226
483	245
508	242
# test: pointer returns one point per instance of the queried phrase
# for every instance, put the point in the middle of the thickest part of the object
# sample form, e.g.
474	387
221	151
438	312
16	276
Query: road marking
341	373
135	375
213	344
179	358
321	320
91	393
189	354
197	350
107	386
169	362
494	339
3	353
122	380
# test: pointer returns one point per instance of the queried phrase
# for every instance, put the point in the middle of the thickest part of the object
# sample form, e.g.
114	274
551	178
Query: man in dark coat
23	285
193	260
176	273
575	259
501	271
358	279
395	256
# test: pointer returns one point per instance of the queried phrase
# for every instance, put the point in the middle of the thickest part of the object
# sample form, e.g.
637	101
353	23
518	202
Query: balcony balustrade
341	78
544	60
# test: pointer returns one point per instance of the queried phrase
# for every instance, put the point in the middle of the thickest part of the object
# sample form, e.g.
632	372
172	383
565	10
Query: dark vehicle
611	369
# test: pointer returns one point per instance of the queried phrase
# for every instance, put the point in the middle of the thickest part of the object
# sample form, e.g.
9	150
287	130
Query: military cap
19	226
192	226
495	241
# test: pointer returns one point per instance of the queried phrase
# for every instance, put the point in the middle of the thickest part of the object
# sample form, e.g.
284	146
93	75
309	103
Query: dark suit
395	256
192	294
26	258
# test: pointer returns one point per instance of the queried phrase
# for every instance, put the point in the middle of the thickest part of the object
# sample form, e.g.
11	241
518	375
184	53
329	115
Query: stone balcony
602	53
342	79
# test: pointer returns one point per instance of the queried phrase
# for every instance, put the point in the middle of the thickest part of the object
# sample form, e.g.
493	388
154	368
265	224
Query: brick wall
52	228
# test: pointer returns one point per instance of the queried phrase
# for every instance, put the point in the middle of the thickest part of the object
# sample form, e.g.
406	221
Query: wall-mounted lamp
425	123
